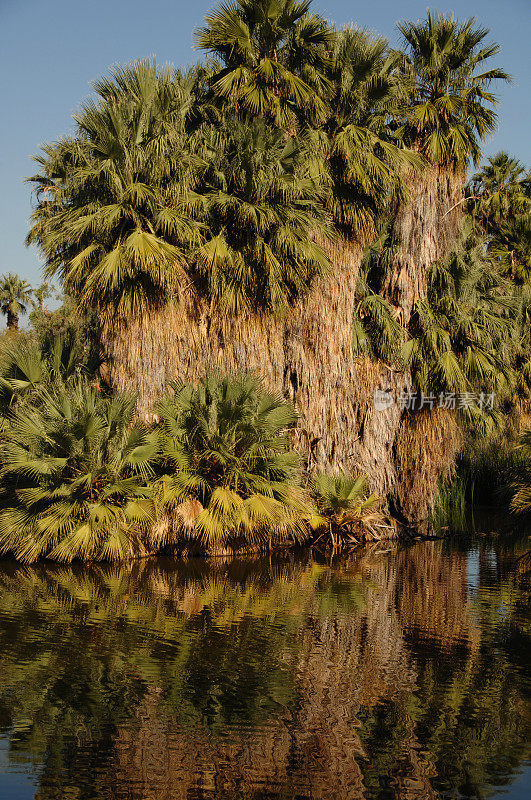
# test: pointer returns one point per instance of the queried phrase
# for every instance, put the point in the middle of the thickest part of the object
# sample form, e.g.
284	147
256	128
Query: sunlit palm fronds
451	106
73	480
229	470
271	57
115	214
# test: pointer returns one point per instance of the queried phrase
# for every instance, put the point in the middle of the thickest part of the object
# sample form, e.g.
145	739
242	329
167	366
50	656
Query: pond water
395	672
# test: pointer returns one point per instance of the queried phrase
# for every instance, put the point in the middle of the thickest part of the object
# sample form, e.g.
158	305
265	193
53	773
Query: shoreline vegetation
247	251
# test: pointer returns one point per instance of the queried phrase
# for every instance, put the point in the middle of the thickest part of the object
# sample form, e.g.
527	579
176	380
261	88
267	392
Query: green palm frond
344	501
227	455
264	216
470	334
271	58
450	108
73	477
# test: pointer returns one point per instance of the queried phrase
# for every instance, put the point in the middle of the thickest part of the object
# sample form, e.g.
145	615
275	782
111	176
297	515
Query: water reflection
390	674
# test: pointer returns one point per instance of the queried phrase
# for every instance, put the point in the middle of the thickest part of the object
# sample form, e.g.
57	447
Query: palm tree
364	158
500	201
148	202
41	294
264	211
114	213
230	473
270	56
350	510
449	111
501	187
116	218
15	295
73	480
355	170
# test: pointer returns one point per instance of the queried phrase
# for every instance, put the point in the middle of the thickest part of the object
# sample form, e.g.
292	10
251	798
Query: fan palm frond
229	470
74	477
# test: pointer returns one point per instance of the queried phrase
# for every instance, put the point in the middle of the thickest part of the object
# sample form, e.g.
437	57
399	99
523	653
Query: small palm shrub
348	509
230	473
73	478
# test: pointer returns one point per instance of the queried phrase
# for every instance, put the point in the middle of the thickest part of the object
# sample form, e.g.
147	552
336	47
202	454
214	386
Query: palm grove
256	245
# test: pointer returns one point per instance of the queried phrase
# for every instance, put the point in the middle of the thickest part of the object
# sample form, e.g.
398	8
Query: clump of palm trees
232	175
226	192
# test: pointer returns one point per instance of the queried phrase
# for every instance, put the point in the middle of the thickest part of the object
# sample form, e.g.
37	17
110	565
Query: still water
391	673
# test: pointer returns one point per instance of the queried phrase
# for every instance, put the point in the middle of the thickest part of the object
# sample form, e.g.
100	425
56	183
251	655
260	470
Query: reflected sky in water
395	672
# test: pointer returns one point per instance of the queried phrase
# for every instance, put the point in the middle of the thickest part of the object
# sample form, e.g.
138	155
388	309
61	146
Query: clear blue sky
50	51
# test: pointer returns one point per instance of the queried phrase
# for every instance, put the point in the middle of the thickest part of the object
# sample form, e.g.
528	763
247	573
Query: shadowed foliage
521	501
500	203
264	209
28	367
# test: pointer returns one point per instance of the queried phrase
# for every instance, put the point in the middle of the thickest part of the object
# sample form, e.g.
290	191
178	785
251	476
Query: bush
351	512
230	472
74	478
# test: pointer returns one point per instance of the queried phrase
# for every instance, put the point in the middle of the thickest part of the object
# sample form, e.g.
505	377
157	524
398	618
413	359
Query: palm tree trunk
425	229
12	321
